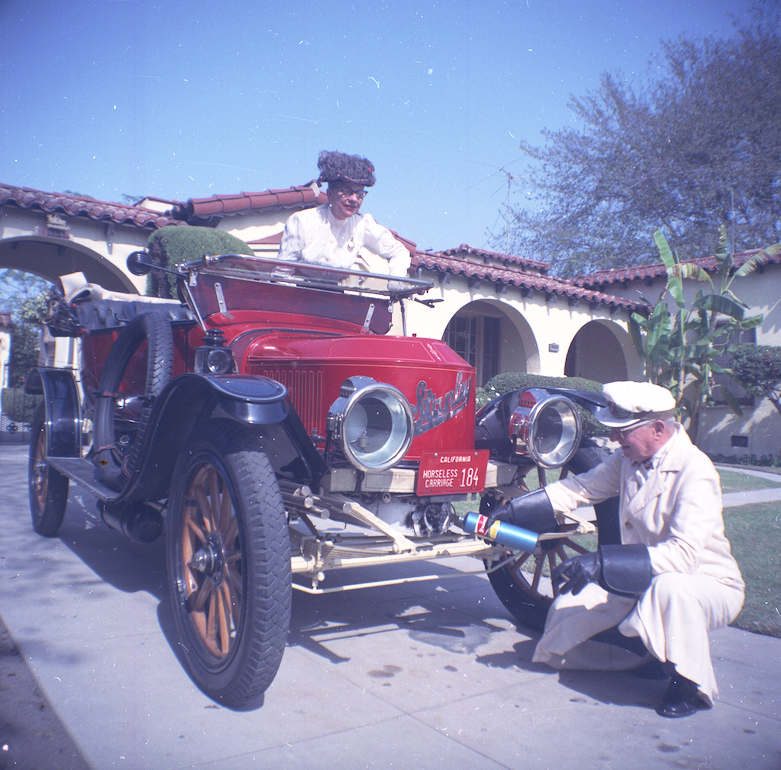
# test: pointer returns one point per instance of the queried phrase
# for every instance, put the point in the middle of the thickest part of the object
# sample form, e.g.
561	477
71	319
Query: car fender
190	399
63	409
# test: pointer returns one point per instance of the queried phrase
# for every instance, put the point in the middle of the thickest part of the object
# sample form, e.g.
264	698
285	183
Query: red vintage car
275	430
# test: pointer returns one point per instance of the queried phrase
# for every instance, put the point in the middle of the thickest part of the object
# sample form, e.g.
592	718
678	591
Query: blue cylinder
501	532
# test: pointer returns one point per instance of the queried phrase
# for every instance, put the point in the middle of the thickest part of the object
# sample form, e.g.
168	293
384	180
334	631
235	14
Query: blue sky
189	99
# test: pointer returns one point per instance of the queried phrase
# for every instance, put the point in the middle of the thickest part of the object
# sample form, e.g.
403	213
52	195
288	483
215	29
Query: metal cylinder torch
500	532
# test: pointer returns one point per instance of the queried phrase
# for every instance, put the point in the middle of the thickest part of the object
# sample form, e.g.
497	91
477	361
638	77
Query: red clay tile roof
444	262
230	205
507	259
448	261
77	205
658	270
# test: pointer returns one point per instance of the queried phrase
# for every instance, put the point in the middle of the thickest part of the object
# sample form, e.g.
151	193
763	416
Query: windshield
232	287
265	269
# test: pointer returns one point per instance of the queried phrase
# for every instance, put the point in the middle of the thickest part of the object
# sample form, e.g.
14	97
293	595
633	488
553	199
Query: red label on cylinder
482	522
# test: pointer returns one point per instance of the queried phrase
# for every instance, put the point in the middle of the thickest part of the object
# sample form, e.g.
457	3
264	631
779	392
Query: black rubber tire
233	645
116	443
515	587
48	488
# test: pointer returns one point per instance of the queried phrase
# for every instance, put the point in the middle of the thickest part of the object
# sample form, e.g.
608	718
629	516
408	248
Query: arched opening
493	337
46	258
50	258
596	353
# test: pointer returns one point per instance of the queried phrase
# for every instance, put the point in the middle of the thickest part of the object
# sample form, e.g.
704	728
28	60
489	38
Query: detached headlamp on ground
372	423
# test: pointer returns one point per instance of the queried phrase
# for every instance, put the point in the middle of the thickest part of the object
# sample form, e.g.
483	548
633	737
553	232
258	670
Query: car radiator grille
306	393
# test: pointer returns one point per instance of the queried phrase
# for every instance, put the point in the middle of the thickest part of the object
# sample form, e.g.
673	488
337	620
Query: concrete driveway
427	675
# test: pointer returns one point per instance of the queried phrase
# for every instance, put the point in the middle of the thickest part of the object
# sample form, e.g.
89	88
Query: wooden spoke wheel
229	564
521	579
48	488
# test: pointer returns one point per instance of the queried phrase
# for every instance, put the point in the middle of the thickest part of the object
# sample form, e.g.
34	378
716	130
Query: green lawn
734	481
755	534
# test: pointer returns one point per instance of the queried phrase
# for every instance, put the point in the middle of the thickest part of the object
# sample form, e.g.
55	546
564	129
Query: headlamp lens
373	424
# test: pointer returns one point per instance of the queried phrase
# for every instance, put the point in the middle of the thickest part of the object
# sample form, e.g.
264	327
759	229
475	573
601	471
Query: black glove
531	511
576	573
621	569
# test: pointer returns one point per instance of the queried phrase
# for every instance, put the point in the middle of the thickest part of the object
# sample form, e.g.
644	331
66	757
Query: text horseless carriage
273	428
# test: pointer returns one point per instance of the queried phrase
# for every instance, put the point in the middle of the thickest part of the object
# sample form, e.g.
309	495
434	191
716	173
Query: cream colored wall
253	227
535	325
761	423
97	240
106	242
602	351
761	291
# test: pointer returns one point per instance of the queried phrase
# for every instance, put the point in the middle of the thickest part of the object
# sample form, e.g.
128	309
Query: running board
83	473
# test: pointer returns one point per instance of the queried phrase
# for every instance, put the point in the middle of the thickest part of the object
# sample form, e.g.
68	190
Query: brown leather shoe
682	699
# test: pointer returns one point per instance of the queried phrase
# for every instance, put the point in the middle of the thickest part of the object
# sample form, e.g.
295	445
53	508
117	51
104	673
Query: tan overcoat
673	507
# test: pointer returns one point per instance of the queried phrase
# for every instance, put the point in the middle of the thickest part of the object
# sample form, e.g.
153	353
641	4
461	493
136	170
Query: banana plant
681	343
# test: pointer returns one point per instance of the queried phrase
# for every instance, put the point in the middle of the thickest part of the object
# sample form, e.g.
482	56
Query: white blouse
317	237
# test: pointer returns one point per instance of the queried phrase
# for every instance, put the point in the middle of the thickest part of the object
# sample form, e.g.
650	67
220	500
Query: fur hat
632	402
338	167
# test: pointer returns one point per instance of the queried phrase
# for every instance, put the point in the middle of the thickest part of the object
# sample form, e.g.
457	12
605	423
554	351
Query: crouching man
670	581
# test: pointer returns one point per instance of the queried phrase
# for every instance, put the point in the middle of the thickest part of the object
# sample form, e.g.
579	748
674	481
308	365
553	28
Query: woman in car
333	234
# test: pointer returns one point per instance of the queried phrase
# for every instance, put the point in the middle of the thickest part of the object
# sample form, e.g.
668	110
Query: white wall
761	424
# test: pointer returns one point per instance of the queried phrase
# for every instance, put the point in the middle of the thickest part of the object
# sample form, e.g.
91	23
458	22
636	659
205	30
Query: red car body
273	428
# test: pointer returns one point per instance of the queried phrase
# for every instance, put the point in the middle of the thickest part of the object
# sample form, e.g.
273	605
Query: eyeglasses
346	192
624	432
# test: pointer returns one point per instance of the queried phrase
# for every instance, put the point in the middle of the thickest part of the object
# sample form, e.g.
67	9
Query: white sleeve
381	241
594	486
291	244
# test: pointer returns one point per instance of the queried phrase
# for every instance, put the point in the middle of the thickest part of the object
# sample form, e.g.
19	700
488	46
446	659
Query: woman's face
345	198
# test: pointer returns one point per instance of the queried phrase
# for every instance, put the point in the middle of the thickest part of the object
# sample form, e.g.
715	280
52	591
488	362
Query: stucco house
758	430
500	312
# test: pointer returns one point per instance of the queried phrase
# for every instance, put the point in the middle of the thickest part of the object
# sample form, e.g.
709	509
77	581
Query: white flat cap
631	402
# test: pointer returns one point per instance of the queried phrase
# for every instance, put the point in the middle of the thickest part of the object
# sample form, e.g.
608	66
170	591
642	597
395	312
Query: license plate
450	473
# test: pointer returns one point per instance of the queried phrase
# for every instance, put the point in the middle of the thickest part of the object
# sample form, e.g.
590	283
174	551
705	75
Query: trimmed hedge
750	461
509	381
18	405
171	245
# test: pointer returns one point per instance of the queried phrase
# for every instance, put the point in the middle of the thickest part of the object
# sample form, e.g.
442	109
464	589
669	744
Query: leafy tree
697	147
24	296
681	346
16	287
758	369
26	339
